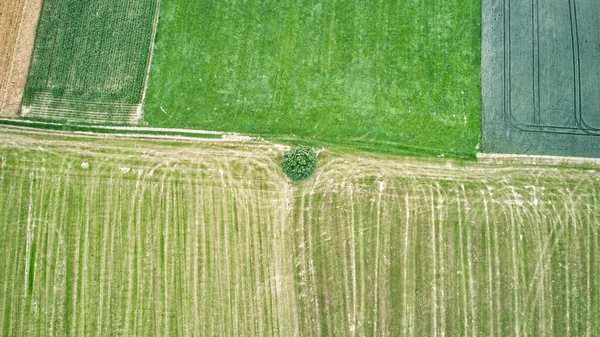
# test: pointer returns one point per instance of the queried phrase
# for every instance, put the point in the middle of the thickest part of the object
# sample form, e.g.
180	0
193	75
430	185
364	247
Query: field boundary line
509	159
140	109
152	134
115	127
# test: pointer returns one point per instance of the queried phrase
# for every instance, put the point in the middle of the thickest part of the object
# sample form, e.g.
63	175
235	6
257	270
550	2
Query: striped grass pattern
140	237
90	52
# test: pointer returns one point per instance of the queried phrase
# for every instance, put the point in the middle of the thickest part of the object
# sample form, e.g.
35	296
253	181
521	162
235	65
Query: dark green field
380	74
90	61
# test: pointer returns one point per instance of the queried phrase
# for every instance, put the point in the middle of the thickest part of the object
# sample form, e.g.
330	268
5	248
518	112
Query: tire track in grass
195	309
202	261
53	203
164	309
322	264
555	226
252	237
344	227
276	278
146	322
470	265
313	319
353	324
222	280
538	280
120	260
495	246
523	221
90	186
16	257
4	209
386	316
231	300
143	263
405	318
463	283
103	255
377	254
588	249
60	271
266	277
246	230
52	224
546	251
596	283
29	238
40	211
442	215
34	218
434	258
133	220
516	289
254	268
567	278
414	303
12	231
531	252
248	223
333	271
362	266
222	299
488	244
238	259
574	266
73	286
287	305
184	261
342	222
170	276
181	263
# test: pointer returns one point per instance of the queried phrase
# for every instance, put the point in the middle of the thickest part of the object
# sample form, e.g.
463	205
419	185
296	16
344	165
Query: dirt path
18	22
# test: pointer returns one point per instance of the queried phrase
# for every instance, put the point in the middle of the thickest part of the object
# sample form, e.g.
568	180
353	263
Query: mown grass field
118	236
379	74
90	61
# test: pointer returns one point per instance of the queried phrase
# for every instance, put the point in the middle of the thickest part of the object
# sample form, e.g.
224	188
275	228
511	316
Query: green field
119	236
383	75
90	61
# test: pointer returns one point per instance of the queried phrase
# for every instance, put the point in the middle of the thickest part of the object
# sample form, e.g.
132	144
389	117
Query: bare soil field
111	236
18	22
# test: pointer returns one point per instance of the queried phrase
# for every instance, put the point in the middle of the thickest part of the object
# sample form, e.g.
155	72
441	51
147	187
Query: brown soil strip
18	23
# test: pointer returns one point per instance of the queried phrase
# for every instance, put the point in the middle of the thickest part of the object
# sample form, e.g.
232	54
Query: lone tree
299	163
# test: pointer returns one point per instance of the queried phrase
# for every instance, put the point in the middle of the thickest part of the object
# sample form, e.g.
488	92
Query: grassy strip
44	125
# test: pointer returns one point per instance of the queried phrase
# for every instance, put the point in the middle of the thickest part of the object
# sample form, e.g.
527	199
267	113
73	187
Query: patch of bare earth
18	22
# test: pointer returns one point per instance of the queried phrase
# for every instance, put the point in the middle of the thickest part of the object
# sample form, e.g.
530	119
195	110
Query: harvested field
106	236
18	22
427	248
91	61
